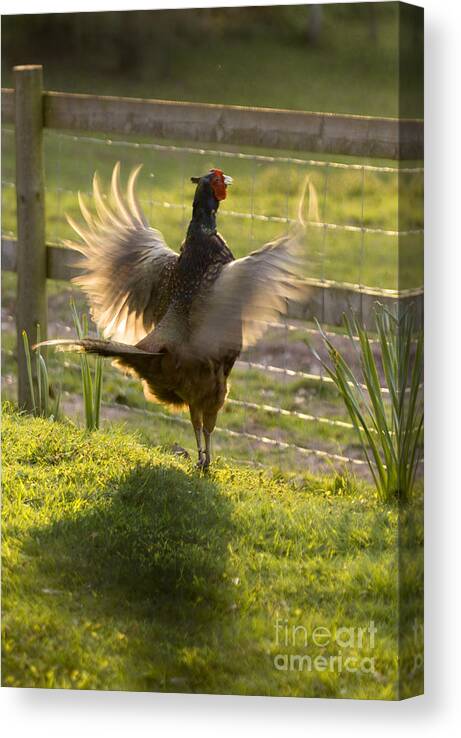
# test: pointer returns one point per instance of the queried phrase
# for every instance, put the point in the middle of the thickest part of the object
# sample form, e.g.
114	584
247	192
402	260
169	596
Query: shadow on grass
148	555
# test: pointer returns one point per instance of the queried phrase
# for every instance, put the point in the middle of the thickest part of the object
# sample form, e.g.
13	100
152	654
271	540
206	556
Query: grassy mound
123	568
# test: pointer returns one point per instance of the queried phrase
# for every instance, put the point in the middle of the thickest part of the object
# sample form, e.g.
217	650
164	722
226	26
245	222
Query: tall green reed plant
41	390
91	382
389	424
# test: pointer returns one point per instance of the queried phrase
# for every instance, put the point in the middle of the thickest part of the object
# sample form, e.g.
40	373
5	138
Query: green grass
123	568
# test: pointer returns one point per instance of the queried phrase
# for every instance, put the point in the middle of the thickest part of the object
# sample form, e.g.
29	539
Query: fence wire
280	401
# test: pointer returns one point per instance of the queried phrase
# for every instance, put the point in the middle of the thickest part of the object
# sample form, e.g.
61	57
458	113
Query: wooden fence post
31	306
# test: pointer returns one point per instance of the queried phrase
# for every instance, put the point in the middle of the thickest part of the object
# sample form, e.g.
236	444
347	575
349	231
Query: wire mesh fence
282	409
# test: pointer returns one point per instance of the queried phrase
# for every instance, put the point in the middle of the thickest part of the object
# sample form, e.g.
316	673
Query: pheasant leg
209	422
201	453
207	435
197	422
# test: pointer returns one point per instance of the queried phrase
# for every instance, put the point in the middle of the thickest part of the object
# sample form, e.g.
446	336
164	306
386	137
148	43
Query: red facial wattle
218	185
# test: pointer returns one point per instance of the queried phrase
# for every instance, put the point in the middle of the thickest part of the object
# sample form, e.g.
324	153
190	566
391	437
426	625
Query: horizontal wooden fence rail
327	300
329	133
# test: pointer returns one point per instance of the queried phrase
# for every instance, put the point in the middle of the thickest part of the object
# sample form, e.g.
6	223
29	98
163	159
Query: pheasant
178	322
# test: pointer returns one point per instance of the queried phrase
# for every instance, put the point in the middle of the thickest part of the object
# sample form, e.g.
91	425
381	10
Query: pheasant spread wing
246	295
127	266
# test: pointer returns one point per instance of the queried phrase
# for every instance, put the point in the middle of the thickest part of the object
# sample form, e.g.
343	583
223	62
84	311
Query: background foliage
339	58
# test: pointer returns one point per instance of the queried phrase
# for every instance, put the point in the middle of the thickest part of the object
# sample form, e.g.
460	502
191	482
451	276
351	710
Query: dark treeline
125	41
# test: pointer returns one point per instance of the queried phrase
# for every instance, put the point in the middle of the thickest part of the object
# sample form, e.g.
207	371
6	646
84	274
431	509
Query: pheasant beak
227	180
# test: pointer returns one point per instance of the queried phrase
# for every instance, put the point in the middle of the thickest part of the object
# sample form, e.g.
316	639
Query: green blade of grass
45	388
25	341
392	449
